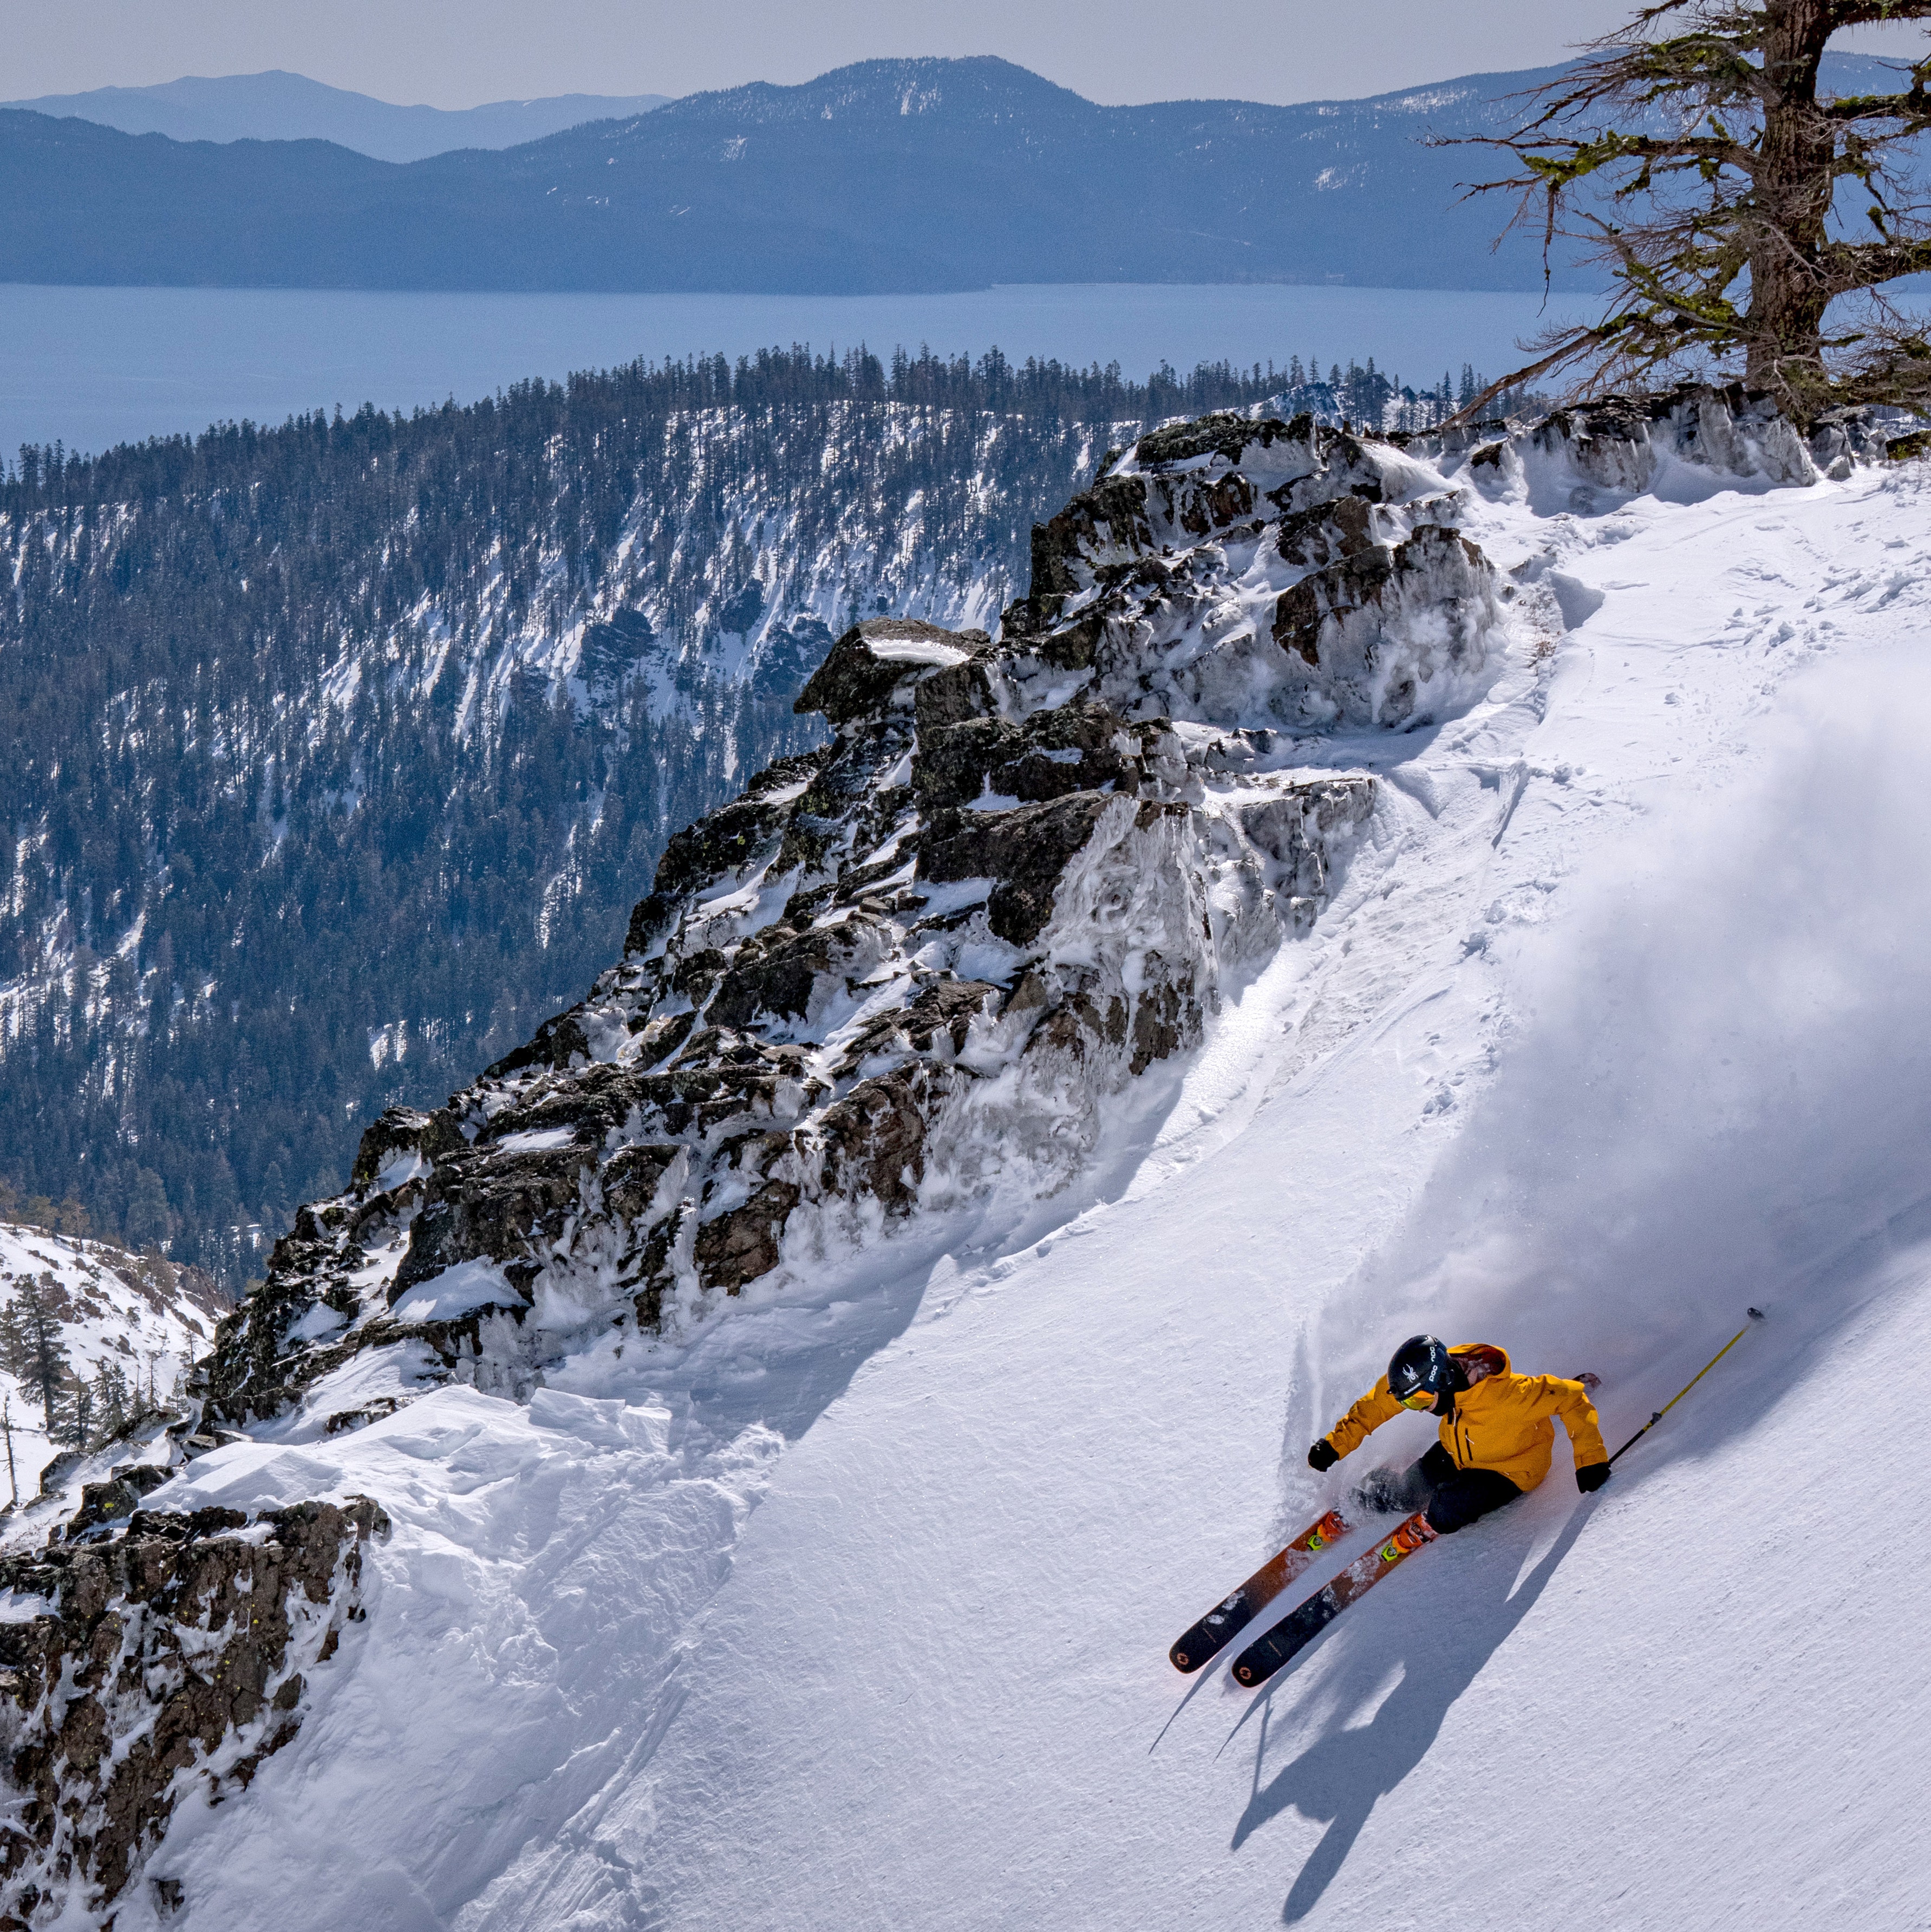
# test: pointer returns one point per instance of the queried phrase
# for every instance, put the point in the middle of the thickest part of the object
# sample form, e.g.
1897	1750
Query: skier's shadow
1343	1776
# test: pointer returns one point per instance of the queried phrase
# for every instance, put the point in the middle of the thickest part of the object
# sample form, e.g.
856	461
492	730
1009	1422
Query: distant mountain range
890	176
279	106
900	175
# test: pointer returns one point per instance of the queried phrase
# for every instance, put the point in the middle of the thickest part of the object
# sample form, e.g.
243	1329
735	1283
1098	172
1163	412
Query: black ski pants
1454	1498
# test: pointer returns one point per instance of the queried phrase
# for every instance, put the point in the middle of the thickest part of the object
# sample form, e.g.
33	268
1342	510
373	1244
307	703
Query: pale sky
457	53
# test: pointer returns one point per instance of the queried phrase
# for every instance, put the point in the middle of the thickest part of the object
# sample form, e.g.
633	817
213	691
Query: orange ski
1265	1655
1226	1621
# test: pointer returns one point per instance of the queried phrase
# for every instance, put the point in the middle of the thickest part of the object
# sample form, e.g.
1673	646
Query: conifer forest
339	751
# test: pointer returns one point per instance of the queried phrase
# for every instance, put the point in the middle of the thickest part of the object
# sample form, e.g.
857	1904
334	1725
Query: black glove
1592	1478
1323	1455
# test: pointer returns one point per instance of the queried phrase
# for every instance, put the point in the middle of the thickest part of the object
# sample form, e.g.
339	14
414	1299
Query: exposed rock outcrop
908	970
1307	583
137	1662
1583	459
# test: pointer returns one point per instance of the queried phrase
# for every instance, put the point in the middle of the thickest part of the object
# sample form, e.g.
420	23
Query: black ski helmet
1421	1365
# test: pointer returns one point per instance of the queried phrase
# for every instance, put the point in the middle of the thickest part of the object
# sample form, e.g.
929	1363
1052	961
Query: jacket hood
1481	1360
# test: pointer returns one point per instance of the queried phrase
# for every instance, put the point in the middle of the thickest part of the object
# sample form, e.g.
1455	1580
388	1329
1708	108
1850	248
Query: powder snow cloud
1719	1081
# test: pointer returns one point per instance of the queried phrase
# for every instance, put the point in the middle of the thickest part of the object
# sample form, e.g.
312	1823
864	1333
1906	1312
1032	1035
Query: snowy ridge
138	1316
850	1607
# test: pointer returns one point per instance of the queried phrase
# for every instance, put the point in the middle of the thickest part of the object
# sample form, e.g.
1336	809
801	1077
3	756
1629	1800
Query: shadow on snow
1342	1776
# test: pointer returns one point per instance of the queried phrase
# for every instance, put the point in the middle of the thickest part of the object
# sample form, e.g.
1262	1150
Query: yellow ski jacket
1500	1422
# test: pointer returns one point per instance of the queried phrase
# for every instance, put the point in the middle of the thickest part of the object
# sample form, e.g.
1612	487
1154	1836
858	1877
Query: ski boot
1387	1492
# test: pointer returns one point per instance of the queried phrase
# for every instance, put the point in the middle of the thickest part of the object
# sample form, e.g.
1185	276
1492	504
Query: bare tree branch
1583	339
1692	157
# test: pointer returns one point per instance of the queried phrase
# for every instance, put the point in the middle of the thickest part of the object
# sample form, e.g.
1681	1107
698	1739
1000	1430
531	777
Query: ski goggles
1422	1398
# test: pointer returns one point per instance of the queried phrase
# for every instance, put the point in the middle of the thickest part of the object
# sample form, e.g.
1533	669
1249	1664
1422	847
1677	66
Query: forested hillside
335	755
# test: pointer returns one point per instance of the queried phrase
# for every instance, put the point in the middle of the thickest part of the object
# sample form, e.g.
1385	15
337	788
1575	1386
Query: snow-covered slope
138	1316
850	1609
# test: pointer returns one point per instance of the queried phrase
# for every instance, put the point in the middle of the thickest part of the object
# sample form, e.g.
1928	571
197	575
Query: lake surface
90	368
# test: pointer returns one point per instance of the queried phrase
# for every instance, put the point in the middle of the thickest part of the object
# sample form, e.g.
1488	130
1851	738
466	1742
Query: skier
1497	1438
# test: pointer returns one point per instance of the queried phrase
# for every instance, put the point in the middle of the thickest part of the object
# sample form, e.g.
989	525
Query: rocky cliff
162	1659
910	971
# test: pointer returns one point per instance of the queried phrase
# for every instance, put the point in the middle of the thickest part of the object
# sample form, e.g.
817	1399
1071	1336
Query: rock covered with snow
141	1665
909	972
1586	458
1265	575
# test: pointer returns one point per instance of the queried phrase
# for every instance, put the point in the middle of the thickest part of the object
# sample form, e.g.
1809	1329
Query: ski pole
1756	1315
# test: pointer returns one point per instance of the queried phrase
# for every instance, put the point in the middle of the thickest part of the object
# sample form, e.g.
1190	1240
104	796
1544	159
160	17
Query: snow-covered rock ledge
1622	446
910	972
141	1665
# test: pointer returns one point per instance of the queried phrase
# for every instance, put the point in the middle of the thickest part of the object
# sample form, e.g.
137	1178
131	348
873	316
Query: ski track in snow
853	1613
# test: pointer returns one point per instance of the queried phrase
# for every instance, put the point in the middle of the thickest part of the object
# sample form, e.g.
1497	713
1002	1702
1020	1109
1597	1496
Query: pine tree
149	1219
43	1360
74	1423
113	1401
14	1352
275	1206
1694	158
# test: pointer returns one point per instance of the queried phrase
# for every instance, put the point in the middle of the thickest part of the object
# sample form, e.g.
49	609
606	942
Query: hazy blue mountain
890	174
900	175
280	106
